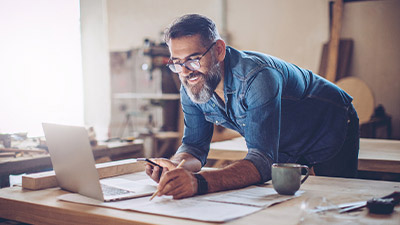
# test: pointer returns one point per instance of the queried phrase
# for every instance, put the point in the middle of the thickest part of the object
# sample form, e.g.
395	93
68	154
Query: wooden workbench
39	162
379	155
42	207
376	155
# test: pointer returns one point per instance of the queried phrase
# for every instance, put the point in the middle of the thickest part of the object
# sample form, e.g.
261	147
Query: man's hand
179	183
191	164
155	172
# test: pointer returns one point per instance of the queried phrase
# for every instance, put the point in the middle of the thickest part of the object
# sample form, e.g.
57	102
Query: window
40	65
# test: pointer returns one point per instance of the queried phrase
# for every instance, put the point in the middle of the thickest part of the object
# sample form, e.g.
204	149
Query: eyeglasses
191	64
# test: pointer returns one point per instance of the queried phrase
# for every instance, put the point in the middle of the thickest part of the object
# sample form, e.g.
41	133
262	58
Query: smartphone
149	161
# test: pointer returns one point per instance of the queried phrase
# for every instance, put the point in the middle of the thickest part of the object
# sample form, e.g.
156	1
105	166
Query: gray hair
193	24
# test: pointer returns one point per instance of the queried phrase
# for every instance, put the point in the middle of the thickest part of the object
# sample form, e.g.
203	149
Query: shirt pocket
215	118
241	121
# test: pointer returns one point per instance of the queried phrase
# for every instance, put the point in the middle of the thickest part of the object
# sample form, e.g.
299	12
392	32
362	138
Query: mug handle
307	174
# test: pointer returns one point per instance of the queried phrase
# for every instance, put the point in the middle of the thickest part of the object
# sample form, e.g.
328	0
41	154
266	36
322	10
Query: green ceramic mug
286	177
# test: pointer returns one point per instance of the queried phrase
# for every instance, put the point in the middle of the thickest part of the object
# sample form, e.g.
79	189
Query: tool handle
395	196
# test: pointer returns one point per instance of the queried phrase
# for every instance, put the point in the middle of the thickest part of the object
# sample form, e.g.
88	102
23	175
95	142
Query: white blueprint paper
189	208
216	207
252	196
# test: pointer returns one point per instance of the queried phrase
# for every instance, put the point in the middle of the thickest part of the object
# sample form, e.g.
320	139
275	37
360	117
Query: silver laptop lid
72	159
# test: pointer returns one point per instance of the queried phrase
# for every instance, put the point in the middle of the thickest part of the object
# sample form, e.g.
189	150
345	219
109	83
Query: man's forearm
237	175
191	162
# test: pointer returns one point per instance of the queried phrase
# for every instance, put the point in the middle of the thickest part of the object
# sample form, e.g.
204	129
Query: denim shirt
281	110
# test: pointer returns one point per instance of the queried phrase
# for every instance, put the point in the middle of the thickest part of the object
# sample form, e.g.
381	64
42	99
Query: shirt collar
228	76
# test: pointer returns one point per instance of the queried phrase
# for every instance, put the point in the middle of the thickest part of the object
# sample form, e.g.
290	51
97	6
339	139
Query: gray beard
211	81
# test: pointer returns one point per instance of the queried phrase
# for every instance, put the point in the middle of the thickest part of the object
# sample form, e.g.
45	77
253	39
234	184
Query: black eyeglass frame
172	67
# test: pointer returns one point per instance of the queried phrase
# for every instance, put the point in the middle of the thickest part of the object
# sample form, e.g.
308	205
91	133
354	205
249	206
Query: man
285	113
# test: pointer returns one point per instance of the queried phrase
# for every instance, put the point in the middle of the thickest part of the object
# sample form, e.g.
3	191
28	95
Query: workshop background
128	92
295	31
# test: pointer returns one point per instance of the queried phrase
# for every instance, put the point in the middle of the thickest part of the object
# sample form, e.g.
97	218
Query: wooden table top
42	207
378	155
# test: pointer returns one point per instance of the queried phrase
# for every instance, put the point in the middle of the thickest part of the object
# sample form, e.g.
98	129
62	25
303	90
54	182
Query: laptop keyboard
111	191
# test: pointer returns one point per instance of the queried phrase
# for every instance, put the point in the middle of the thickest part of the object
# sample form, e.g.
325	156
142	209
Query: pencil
179	166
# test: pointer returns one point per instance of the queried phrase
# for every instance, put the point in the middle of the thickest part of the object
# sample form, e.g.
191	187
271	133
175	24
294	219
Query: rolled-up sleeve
262	162
194	151
262	130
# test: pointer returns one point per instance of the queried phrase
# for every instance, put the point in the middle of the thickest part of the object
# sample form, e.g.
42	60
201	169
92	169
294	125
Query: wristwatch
202	185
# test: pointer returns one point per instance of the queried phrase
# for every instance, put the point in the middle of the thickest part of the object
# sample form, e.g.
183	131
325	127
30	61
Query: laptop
74	166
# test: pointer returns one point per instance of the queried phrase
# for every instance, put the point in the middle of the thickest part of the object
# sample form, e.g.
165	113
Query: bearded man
285	113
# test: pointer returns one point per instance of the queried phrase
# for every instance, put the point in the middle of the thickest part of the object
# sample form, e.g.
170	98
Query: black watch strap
202	185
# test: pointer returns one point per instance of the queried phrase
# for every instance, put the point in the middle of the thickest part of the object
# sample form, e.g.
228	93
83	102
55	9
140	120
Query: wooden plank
25	164
22	150
344	58
7	154
324	60
334	41
390	166
48	179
